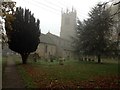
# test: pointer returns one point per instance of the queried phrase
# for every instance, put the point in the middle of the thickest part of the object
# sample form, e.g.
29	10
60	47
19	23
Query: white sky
49	11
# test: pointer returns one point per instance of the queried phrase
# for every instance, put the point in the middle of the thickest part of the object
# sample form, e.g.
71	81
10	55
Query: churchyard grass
42	72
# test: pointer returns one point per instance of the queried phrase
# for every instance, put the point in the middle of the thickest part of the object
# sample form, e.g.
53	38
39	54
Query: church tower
68	24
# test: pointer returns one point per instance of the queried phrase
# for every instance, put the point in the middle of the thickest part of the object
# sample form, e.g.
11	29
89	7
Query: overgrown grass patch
23	73
26	78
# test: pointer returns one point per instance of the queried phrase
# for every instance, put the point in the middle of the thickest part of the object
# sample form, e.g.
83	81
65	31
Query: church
55	46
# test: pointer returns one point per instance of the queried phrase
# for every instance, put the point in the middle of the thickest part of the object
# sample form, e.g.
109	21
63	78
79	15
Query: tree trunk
24	57
99	59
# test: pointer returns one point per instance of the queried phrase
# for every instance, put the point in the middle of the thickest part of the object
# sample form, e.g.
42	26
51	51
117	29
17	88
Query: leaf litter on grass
43	80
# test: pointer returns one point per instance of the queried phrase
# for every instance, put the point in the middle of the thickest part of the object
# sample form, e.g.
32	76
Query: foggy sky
49	11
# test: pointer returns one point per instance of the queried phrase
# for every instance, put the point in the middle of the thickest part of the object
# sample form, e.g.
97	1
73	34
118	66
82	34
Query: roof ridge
46	39
50	38
57	36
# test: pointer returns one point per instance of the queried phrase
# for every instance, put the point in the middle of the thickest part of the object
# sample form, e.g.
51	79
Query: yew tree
23	33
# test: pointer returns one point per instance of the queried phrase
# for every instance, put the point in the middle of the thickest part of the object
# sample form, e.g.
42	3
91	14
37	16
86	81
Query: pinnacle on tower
68	24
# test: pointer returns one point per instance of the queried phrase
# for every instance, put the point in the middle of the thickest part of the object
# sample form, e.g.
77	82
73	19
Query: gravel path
11	78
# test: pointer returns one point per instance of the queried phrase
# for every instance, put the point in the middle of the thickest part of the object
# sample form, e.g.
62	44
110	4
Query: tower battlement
68	24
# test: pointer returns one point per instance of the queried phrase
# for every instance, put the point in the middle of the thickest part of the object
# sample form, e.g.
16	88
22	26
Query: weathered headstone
61	61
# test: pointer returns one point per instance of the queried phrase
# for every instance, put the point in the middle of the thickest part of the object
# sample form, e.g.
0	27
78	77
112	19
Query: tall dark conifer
24	36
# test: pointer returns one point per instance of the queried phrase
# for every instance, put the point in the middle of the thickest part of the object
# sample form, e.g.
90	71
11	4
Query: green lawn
72	70
76	70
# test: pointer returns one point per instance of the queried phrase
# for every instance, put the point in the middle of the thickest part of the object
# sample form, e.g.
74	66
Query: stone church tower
68	24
